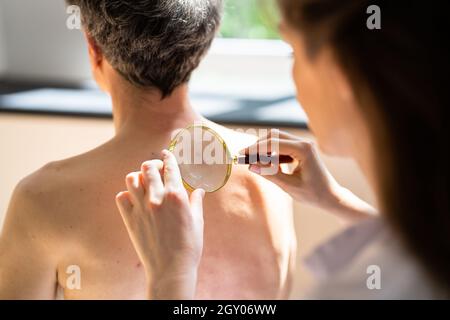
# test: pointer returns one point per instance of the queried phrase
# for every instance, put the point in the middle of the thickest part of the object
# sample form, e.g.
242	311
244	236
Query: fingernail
254	168
136	183
202	193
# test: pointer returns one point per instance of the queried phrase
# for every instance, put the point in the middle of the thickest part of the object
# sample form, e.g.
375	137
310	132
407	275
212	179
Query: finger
135	187
153	183
273	133
172	175
125	206
123	202
258	167
196	200
295	148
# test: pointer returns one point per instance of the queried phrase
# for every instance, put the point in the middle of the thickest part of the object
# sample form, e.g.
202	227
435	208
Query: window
248	60
250	19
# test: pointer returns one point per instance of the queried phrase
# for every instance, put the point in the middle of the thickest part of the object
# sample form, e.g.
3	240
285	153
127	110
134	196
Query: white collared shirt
366	261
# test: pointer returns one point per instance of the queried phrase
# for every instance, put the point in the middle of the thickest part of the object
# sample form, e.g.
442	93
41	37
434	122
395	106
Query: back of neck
140	112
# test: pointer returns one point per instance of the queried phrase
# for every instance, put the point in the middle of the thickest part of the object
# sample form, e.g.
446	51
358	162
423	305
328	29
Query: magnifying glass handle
257	158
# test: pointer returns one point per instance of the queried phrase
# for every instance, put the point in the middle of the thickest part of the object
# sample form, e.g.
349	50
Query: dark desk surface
73	100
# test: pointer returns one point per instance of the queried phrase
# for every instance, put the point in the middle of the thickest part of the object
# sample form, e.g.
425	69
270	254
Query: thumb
196	201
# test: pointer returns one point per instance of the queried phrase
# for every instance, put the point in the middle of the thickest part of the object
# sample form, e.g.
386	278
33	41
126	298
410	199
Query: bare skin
65	214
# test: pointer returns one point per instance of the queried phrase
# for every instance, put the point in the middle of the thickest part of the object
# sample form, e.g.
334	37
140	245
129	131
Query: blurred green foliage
250	19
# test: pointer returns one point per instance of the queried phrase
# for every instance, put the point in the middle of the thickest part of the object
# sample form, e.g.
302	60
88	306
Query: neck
139	112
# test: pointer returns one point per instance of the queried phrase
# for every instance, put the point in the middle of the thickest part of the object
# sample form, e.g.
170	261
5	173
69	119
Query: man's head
151	43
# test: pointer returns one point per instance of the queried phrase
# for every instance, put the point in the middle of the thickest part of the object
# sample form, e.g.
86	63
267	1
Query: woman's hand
165	226
310	182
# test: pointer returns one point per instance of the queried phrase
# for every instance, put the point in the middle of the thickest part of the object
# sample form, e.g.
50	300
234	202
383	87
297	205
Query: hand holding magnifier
205	160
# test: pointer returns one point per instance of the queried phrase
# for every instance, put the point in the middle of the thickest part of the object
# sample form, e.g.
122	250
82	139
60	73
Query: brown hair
399	74
152	44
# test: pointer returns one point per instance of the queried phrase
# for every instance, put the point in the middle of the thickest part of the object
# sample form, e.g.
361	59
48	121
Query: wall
2	44
38	43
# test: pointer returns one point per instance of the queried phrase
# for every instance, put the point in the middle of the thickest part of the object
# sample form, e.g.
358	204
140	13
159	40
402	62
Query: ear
98	63
95	53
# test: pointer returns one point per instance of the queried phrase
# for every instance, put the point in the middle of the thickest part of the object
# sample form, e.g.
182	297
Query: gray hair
152	43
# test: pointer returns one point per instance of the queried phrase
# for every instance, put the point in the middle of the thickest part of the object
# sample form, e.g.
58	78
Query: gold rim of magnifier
224	144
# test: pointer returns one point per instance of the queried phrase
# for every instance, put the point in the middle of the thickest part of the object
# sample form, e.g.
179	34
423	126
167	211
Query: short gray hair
152	43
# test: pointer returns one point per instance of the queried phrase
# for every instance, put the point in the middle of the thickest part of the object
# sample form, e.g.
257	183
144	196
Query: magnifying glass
206	162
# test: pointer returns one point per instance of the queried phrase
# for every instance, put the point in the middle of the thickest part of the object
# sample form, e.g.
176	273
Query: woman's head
151	44
325	94
386	87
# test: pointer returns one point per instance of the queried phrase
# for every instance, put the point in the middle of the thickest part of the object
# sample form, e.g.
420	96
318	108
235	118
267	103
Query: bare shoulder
31	238
36	196
43	185
29	225
59	178
43	181
43	197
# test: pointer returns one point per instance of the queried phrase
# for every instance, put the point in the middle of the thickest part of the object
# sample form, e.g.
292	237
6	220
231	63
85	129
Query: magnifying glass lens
203	158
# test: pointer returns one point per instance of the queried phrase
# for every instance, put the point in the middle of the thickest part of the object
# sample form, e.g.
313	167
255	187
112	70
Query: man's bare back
65	215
